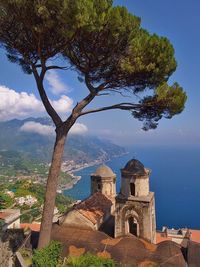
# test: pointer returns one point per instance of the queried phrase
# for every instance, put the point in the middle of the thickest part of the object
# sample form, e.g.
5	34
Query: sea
175	179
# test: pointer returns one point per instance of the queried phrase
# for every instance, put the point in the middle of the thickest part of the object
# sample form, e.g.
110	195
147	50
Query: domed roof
134	166
104	171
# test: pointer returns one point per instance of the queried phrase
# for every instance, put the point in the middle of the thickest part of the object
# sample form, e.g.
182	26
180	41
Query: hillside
79	148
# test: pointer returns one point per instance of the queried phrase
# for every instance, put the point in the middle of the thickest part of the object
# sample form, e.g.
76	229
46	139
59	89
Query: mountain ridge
79	148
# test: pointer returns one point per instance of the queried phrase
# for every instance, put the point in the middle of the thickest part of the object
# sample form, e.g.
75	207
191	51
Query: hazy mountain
81	148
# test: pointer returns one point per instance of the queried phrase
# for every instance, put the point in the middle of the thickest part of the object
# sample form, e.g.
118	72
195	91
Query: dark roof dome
134	166
104	171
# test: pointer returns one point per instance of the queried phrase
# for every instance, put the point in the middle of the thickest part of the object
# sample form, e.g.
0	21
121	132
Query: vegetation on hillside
48	256
51	257
88	260
16	165
26	187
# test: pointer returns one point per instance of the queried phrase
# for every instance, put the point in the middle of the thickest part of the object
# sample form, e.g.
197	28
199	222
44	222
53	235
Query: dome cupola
103	180
135	167
135	179
103	171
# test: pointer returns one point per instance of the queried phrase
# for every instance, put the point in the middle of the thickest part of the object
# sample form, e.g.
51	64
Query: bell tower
135	204
104	181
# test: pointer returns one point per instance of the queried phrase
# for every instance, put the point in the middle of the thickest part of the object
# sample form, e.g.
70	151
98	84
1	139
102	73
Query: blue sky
180	22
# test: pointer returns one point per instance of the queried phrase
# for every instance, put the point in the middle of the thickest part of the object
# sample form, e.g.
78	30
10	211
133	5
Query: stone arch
129	209
129	217
132	226
132	222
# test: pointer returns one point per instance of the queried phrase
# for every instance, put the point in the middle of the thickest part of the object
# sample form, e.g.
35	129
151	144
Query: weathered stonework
135	205
132	211
76	219
104	181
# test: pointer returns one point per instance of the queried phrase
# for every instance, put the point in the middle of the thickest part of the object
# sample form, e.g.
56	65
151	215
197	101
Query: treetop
105	44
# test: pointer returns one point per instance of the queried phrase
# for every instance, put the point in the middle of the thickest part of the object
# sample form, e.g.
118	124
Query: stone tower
135	205
104	181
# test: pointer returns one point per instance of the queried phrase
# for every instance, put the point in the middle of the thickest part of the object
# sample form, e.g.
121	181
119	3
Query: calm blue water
175	179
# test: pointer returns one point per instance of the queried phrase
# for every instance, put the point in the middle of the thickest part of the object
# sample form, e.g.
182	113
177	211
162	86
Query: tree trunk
51	189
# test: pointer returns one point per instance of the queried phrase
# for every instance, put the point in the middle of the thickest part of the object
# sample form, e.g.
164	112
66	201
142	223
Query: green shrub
88	260
5	201
48	256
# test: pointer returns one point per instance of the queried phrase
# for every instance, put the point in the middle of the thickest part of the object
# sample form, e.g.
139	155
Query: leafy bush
5	201
88	260
48	256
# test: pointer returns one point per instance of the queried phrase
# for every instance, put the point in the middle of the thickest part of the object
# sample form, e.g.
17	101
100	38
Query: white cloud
22	105
55	84
36	127
62	105
79	129
18	105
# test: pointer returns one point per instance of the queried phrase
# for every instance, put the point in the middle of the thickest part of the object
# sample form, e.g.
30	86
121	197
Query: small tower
104	181
135	205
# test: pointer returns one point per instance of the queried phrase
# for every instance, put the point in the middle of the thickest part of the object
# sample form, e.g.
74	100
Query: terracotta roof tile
128	250
33	226
195	235
161	237
193	254
3	215
94	207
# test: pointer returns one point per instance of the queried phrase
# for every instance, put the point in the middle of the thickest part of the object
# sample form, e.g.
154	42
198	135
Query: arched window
132	189
132	223
98	187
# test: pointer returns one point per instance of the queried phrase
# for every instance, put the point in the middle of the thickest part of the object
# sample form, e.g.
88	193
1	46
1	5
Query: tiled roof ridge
92	197
93	208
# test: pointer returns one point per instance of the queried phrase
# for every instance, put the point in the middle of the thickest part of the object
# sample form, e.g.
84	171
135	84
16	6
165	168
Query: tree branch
121	106
88	84
49	108
82	104
57	67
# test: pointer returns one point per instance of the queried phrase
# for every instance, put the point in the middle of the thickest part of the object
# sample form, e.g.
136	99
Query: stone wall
5	254
10	241
141	210
76	219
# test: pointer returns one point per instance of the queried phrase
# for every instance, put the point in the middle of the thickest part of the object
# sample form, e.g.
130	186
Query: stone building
104	181
132	211
90	213
9	219
135	204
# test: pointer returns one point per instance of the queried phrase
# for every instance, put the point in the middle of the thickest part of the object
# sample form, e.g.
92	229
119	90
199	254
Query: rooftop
104	171
9	214
170	234
33	226
94	207
135	167
130	249
4	215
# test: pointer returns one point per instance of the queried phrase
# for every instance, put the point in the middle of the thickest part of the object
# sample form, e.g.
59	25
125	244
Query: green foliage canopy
104	44
48	256
167	101
34	31
5	201
88	260
120	54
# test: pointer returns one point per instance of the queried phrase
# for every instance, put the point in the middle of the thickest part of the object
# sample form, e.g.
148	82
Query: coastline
77	178
71	184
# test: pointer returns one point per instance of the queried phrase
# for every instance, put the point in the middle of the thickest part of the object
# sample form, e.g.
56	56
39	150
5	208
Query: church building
130	212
